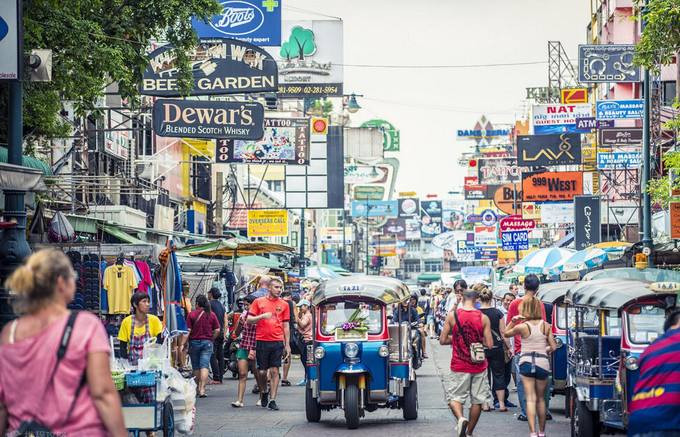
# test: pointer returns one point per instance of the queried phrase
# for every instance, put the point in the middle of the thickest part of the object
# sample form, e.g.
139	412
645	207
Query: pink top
536	342
26	365
305	326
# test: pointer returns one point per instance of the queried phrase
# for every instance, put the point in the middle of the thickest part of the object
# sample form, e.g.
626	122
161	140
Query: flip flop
285	383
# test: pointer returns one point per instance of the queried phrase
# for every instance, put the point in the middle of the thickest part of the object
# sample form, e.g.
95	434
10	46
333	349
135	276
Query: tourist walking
468	331
304	328
54	363
203	329
217	358
245	354
534	362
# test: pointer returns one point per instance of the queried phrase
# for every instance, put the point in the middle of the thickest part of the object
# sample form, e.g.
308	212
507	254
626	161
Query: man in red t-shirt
272	335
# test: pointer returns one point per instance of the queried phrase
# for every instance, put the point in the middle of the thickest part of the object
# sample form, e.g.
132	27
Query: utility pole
219	207
302	242
646	161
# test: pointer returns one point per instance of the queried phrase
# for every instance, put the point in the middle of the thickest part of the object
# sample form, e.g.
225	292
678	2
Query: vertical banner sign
586	221
253	21
10	52
268	223
675	220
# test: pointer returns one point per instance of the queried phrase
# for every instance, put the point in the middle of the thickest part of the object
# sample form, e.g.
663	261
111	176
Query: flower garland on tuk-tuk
354	327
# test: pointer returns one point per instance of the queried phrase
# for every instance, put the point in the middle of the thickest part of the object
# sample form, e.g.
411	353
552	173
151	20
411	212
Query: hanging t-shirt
146	283
119	282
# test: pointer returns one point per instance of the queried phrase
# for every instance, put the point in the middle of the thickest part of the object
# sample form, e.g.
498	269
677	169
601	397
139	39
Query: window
412	266
668	89
334	315
275	185
645	323
433	266
413	245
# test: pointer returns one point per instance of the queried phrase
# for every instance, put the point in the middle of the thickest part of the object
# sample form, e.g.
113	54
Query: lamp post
646	162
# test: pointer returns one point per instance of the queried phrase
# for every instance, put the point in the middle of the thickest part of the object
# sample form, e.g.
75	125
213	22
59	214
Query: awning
429	277
116	232
258	261
234	247
28	161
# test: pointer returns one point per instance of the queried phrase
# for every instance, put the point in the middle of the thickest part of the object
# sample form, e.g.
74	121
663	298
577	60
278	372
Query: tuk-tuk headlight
319	353
559	342
631	363
351	350
384	351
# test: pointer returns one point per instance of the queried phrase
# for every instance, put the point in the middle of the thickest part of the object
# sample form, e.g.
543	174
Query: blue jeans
200	352
520	387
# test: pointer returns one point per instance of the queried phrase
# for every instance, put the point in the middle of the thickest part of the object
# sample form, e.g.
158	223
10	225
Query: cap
303	302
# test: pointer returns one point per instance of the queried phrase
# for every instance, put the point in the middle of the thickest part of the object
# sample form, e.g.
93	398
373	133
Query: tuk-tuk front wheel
410	401
352	408
312	407
584	423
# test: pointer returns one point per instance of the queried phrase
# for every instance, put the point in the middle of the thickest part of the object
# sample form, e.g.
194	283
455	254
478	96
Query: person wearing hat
304	327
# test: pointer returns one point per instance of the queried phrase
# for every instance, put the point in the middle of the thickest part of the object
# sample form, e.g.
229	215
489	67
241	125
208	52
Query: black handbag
33	428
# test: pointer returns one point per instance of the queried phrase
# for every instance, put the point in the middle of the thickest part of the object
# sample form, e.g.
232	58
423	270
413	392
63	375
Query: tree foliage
660	39
660	189
96	43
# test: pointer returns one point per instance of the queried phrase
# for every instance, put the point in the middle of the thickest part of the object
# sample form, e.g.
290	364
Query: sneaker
256	390
461	427
510	404
237	404
272	405
264	396
258	403
522	418
301	383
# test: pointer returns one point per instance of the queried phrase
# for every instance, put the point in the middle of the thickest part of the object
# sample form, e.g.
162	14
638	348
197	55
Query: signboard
218	67
470	180
475	192
516	222
546	150
618	160
447	241
555	118
374	208
487	218
430	218
485	236
310	59
391	136
268	223
497	171
208	119
587	124
598	63
586	221
409	207
557	213
508	198
412	228
620	136
531	210
620	109
515	240
395	227
483	132
547	186
675	220
285	141
486	254
363	174
11	57
252	21
574	95
453	219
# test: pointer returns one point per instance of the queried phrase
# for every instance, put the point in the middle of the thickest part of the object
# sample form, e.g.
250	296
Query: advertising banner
587	124
497	171
208	119
475	192
285	141
449	240
515	240
395	227
508	198
409	207
547	150
391	136
548	186
412	228
11	57
554	118
620	109
599	63
574	95
486	253
310	59
485	236
516	222
620	136
557	213
487	217
586	221
218	67
363	174
374	208
675	220
430	218
470	180
453	219
252	21
531	210
618	160
268	223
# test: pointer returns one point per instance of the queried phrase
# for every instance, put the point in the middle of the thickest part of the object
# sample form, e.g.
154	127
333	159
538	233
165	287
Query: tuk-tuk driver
402	314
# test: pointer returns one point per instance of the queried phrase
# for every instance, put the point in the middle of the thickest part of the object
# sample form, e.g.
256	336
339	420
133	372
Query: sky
429	105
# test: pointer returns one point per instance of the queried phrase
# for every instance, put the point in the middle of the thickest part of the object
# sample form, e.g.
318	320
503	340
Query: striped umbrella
585	259
543	261
614	249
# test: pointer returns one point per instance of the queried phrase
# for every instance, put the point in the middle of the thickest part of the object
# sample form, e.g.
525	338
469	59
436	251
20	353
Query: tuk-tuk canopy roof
608	293
387	290
553	291
646	275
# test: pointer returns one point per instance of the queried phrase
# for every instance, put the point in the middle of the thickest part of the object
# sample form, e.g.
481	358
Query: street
215	416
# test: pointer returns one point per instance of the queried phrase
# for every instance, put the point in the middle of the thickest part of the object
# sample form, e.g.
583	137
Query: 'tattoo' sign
516	223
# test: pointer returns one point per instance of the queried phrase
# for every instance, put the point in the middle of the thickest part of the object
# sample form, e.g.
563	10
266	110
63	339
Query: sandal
202	395
285	383
237	404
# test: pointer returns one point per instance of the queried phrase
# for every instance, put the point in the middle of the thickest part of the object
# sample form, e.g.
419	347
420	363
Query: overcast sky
429	105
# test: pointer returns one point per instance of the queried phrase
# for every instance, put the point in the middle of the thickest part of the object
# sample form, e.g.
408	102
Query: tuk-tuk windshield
334	315
645	323
561	316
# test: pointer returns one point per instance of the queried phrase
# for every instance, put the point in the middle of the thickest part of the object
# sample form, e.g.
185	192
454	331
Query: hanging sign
515	240
620	109
547	150
267	223
586	221
515	222
485	236
218	67
497	171
409	207
374	208
554	118
285	141
547	186
475	192
620	136
599	63
254	22
11	57
618	160
208	119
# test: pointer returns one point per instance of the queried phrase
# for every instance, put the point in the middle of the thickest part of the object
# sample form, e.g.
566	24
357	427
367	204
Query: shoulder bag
476	349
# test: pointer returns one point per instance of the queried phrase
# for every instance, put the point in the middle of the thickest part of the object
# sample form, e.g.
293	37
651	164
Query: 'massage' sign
208	119
222	66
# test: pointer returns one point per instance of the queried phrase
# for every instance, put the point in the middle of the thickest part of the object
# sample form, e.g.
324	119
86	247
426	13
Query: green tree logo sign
300	44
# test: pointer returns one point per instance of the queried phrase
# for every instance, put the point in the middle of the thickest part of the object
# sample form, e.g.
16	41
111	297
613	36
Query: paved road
215	417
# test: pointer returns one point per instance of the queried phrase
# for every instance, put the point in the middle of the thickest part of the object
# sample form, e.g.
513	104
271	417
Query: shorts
538	372
200	352
474	385
268	354
430	319
242	354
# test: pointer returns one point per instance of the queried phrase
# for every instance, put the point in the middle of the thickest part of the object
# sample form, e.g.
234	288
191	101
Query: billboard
453	219
546	150
430	218
363	174
618	160
409	207
620	136
285	141
268	223
485	236
508	198
475	192
251	21
11	57
218	67
363	143
395	227
549	186
497	171
586	221
412	228
600	63
374	208
555	118
557	213
310	59
632	109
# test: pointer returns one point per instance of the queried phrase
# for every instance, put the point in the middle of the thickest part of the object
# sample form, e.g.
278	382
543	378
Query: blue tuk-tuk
359	362
613	322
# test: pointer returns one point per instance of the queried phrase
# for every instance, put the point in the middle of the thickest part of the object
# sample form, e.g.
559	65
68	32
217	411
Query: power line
500	64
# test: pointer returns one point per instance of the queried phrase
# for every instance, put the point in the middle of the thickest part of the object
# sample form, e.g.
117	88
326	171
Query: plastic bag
185	423
155	356
60	229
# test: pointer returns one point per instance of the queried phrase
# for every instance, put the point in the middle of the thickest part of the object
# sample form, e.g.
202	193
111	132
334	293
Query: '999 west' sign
551	186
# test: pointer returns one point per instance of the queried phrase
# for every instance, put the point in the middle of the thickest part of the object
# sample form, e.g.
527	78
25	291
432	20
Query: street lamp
352	105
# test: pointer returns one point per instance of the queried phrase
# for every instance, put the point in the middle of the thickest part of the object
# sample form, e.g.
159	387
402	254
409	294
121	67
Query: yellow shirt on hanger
119	282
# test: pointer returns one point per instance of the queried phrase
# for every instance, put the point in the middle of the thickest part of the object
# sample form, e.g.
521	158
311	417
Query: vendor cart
152	415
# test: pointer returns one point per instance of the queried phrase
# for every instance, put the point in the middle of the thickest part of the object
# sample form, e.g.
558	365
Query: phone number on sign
310	89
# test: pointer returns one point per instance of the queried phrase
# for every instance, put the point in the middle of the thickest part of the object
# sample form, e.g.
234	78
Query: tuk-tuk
613	322
359	362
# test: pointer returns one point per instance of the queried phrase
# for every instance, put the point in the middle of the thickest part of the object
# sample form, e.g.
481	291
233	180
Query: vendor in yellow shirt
146	326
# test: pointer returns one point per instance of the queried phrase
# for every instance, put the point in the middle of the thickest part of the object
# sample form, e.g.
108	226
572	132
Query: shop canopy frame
234	247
